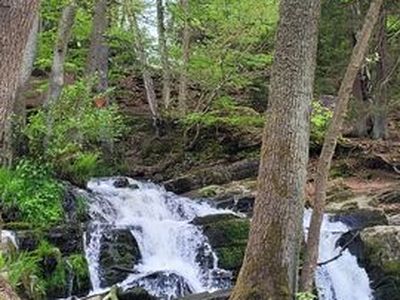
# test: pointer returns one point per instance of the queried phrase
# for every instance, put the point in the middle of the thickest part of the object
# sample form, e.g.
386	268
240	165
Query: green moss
392	267
80	269
231	258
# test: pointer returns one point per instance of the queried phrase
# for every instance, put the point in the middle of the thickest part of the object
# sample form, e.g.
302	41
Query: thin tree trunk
183	83
163	50
328	149
16	20
56	83
60	53
141	52
380	104
97	63
270	265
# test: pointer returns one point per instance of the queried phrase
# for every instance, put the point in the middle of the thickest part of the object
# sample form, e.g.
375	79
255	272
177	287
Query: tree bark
183	83
328	149
270	265
141	53
379	122
97	62
60	53
18	141
16	20
163	51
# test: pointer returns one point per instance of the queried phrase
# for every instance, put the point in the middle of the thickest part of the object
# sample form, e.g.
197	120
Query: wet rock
228	236
119	249
69	239
220	174
121	182
135	293
361	218
219	295
74	205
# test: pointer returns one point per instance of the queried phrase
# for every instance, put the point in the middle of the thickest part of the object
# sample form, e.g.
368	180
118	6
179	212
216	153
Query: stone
119	249
135	293
394	220
227	235
361	218
219	295
382	260
121	182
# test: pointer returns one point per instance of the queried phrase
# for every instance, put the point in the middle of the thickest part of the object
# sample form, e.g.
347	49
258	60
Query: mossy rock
382	260
228	236
118	249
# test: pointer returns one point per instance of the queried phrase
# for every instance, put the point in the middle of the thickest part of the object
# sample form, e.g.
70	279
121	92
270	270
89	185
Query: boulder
382	260
219	295
119	250
227	235
219	174
361	218
394	220
135	293
121	182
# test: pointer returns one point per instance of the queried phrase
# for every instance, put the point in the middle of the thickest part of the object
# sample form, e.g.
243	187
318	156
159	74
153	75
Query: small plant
305	296
320	118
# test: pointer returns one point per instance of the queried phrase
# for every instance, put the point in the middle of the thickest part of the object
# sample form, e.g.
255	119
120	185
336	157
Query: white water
8	236
160	223
341	279
169	243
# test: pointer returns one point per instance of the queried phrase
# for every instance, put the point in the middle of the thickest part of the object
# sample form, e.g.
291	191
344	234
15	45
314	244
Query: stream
170	245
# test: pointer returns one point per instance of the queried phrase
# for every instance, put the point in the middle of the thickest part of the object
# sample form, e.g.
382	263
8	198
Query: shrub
32	192
74	142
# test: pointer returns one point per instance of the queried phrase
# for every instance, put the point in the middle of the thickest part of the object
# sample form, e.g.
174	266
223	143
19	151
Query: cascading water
341	278
169	244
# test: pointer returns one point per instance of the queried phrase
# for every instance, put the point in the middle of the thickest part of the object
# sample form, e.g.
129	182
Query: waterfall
342	278
169	244
161	224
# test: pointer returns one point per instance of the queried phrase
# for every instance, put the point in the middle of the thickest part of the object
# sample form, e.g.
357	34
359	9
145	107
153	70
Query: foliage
31	190
78	132
225	112
305	296
320	118
24	274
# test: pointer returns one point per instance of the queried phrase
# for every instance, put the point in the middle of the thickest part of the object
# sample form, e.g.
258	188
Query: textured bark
270	265
141	53
16	20
330	142
163	51
183	83
380	102
60	53
97	62
18	141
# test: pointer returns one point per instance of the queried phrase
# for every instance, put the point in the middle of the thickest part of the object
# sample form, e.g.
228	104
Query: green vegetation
73	148
30	191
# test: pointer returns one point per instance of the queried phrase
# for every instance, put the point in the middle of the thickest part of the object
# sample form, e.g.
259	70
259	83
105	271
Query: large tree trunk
16	20
141	53
97	62
380	101
18	142
270	265
330	142
163	50
60	53
183	83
